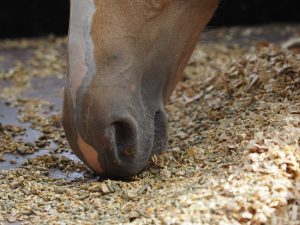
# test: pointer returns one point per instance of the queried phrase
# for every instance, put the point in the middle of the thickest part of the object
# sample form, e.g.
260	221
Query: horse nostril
122	138
127	148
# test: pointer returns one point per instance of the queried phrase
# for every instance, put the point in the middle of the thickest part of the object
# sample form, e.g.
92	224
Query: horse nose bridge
110	102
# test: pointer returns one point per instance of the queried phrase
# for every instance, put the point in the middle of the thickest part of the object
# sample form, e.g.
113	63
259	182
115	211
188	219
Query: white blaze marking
81	61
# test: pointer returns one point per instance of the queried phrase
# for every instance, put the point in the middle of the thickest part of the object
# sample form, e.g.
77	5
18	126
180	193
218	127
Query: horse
124	60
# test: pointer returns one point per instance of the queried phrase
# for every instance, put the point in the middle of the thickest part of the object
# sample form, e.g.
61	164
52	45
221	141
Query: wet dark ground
48	88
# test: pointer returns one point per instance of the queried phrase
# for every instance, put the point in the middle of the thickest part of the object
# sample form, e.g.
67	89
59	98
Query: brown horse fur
125	58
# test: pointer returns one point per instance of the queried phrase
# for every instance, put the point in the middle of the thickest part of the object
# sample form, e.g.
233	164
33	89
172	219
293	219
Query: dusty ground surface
234	127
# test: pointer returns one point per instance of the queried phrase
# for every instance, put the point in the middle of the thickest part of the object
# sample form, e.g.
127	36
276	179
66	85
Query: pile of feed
234	149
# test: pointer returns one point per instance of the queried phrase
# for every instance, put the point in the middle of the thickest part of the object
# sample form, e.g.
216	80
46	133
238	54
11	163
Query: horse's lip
160	139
